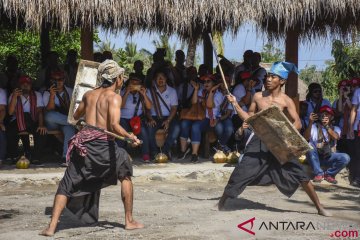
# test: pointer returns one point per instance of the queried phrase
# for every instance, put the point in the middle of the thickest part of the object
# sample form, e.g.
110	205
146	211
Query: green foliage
310	74
271	54
329	82
347	59
25	45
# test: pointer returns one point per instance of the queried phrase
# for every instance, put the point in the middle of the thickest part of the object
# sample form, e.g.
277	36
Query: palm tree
191	51
163	42
106	45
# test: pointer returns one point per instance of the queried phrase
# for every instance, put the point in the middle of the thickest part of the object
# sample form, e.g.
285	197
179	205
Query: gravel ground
176	202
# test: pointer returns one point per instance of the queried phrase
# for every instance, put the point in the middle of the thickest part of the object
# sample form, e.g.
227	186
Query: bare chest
266	102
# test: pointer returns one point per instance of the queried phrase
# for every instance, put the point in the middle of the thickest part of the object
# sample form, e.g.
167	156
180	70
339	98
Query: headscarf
108	71
282	69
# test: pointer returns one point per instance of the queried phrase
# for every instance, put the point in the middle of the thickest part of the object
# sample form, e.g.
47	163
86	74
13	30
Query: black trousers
12	131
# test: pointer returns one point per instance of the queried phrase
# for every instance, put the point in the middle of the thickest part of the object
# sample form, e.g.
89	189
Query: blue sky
315	52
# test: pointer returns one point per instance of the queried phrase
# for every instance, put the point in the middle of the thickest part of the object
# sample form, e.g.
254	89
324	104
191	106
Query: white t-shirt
239	92
3	97
356	101
314	134
218	98
128	110
46	96
26	103
170	98
311	106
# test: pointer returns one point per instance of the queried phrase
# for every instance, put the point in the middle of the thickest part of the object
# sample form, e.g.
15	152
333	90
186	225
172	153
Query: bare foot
221	203
324	212
47	232
134	225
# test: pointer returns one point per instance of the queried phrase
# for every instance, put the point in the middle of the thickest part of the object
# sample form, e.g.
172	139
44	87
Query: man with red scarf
25	109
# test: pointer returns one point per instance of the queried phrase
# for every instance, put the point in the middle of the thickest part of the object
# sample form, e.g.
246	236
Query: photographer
57	103
25	109
323	137
134	103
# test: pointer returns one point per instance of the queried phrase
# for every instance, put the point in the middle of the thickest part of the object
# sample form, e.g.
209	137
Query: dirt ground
181	208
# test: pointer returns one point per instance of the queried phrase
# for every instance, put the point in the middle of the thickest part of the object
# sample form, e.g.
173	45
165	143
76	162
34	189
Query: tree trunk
191	51
44	42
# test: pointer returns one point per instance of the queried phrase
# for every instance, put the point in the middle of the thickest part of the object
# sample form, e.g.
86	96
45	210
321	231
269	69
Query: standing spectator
138	69
163	112
107	55
258	72
71	67
245	66
315	100
9	78
354	133
302	114
43	81
342	107
26	111
57	103
134	102
185	90
179	70
2	125
323	136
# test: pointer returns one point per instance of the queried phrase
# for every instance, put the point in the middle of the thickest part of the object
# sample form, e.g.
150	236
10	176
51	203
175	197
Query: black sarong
259	167
104	164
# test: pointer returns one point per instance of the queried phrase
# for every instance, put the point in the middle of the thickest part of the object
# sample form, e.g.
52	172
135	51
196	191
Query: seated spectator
98	57
57	102
138	69
243	94
224	127
322	137
9	77
315	100
71	67
2	125
43	81
210	99
242	136
203	70
163	113
134	100
26	111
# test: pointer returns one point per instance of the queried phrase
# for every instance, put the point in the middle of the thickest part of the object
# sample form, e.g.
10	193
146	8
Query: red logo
241	226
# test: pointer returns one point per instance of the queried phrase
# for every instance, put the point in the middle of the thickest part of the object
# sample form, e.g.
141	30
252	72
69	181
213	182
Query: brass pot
161	158
233	157
220	157
22	163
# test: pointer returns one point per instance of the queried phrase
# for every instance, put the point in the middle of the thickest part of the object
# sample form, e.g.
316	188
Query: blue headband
283	69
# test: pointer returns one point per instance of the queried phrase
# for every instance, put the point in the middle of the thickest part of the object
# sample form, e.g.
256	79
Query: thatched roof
190	17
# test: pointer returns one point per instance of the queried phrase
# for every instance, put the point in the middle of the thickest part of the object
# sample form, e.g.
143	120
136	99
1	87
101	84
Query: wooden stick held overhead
218	62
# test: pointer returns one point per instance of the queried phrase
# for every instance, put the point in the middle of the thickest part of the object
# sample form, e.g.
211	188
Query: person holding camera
323	137
315	100
134	103
57	103
26	114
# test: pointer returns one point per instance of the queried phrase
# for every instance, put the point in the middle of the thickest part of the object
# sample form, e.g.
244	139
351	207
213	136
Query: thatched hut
190	19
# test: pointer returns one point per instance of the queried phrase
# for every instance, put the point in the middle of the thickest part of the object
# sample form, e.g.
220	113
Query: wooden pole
208	52
44	42
292	55
87	47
